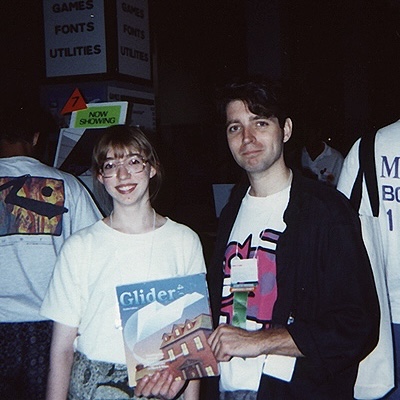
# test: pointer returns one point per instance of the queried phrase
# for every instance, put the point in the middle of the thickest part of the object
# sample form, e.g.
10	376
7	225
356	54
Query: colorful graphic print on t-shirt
260	302
31	205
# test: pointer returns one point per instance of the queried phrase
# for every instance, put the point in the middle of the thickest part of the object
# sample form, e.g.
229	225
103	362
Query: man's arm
61	359
228	341
192	391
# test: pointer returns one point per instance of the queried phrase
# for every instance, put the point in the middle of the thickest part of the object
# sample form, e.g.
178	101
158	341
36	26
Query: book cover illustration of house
166	324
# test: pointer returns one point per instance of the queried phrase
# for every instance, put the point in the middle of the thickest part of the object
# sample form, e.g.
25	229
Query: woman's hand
160	385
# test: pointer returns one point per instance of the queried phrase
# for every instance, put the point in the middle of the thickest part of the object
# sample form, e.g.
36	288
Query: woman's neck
140	220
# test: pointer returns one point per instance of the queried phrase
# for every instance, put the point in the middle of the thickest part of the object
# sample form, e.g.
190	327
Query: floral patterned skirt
98	380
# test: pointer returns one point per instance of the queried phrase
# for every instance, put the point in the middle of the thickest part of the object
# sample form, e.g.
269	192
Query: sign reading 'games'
75	40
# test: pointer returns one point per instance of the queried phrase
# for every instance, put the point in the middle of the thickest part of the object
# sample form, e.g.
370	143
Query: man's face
256	142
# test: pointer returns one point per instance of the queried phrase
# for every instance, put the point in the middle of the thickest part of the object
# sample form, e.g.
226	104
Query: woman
133	244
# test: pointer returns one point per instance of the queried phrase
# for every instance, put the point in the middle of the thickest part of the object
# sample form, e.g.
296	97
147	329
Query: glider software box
165	325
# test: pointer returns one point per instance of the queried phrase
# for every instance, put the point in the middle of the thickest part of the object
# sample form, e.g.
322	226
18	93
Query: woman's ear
100	178
153	172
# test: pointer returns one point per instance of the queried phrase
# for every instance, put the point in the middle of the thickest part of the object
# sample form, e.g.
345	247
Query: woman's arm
61	359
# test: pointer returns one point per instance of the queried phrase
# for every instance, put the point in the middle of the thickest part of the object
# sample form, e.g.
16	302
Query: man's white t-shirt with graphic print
257	228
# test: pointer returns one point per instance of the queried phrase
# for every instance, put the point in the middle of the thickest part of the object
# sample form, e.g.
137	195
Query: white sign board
134	56
67	140
75	40
96	116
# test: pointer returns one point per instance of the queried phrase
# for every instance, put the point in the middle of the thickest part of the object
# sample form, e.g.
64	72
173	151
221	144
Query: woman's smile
126	188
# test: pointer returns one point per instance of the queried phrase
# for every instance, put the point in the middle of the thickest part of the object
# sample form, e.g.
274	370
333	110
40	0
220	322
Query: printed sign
75	40
100	115
75	102
134	56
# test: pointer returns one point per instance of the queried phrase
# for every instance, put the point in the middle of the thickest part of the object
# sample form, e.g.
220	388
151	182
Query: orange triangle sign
75	102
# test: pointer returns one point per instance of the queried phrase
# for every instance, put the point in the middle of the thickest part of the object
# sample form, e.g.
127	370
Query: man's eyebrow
261	117
232	121
252	118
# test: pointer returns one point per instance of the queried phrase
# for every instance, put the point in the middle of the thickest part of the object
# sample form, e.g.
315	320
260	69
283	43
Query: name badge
244	274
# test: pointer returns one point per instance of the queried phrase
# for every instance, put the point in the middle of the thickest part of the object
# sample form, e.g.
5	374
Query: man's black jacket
324	280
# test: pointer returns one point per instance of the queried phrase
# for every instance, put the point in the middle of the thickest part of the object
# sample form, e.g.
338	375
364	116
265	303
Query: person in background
321	159
376	156
316	159
40	207
291	286
133	244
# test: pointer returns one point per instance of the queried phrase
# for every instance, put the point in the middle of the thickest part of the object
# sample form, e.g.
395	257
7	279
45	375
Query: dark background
339	60
323	44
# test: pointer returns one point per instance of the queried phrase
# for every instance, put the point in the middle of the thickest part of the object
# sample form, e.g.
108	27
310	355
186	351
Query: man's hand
160	385
228	341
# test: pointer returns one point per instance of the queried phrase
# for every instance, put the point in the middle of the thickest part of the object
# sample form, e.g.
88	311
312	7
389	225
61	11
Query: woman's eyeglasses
133	164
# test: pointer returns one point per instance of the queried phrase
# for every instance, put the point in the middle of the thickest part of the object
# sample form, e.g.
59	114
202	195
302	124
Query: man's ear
287	130
35	138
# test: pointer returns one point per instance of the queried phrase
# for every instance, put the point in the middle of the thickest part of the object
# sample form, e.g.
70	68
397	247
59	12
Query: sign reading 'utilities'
75	39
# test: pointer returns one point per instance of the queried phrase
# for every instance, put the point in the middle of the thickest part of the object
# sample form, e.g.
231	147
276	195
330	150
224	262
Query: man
290	279
39	208
377	157
320	159
316	159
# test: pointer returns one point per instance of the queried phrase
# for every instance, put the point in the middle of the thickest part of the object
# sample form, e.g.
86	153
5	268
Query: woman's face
124	184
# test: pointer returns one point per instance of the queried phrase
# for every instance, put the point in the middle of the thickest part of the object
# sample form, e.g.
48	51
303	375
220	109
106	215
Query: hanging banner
134	56
75	40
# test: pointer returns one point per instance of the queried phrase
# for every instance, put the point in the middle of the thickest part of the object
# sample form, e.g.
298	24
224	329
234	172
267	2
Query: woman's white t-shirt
95	260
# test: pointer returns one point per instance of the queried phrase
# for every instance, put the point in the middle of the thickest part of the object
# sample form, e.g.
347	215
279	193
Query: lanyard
244	279
240	309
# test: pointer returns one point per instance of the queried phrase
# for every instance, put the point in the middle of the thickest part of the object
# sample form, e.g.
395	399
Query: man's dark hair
19	123
261	98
